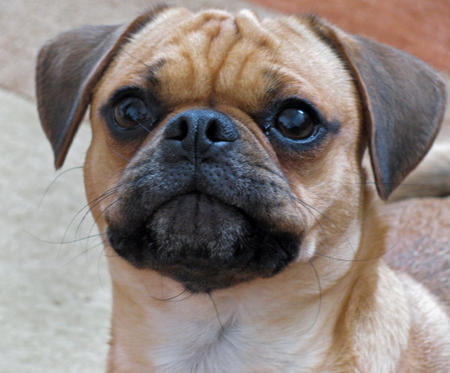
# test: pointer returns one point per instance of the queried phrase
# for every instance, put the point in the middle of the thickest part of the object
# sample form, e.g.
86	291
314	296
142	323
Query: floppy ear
403	103
68	68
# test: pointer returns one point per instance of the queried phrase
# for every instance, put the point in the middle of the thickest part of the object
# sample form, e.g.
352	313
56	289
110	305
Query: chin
203	243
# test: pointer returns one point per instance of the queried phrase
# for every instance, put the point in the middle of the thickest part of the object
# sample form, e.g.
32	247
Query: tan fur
339	307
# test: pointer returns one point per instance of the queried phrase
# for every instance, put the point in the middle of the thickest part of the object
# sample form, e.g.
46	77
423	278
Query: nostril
213	131
178	130
217	131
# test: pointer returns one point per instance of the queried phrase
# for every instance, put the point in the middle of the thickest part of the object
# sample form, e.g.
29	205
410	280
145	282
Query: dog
225	175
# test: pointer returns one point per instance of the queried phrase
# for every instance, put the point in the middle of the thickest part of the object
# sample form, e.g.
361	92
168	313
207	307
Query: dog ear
403	103
68	68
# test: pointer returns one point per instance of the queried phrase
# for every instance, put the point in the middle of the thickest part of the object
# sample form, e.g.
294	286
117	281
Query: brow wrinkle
274	84
152	71
243	66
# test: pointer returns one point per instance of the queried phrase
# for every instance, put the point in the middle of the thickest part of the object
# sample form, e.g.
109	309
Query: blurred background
54	286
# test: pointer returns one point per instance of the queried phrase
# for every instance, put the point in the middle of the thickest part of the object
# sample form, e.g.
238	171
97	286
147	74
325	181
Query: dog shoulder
406	310
429	335
375	326
394	323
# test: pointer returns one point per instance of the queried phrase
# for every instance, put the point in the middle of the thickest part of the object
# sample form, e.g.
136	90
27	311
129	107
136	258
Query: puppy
241	230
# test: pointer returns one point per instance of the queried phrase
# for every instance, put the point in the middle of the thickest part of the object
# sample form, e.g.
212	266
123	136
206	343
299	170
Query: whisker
171	298
316	318
142	126
182	299
71	260
99	258
64	242
349	260
120	155
318	222
101	213
140	149
55	179
136	58
217	311
83	252
90	205
94	202
310	209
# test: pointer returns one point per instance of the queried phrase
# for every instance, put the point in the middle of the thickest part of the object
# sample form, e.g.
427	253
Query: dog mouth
203	243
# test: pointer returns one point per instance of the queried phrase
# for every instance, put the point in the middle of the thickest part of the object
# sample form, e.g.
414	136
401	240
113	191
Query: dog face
225	147
224	150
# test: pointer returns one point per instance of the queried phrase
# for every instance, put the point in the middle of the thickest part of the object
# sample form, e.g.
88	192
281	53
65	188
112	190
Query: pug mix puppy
241	230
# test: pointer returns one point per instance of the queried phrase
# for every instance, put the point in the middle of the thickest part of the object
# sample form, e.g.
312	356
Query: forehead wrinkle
211	37
221	43
243	72
252	29
246	80
196	55
196	52
189	25
152	71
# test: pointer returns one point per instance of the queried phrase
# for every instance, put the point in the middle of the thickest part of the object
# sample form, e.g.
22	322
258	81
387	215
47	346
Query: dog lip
165	202
229	248
196	193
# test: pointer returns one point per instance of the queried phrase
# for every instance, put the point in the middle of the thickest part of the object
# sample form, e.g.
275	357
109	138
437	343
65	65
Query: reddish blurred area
420	27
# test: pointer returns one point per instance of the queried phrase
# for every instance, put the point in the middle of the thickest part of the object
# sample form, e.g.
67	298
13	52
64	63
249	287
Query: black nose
199	133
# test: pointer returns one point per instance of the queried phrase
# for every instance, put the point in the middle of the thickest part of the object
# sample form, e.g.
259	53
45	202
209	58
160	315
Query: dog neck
251	328
262	325
258	326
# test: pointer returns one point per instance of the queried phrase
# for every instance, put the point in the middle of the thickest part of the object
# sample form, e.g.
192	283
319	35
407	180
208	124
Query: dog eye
295	124
131	112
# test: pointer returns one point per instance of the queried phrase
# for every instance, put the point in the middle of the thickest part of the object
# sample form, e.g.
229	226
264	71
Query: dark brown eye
131	112
295	124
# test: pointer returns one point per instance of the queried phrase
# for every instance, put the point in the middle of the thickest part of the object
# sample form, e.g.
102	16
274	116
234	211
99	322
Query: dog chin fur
204	244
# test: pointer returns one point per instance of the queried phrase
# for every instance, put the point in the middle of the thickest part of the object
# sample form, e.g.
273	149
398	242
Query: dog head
223	144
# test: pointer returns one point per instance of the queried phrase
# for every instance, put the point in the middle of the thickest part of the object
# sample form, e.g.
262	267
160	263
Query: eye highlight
295	124
131	112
